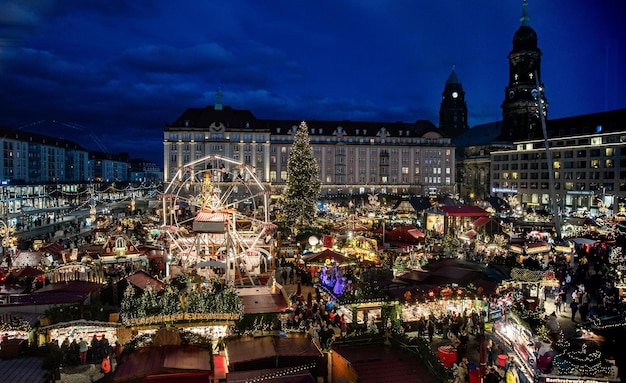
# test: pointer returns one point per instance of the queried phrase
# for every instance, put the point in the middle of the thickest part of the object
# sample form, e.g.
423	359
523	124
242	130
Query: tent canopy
464	211
27	271
406	233
323	256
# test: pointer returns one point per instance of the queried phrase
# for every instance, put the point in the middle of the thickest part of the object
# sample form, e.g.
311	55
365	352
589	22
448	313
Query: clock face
511	93
534	93
455	95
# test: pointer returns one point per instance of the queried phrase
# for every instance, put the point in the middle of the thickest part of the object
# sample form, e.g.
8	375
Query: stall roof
57	293
322	256
53	248
27	271
464	211
23	370
373	363
27	258
261	300
162	360
250	349
406	233
448	271
141	279
481	221
81	322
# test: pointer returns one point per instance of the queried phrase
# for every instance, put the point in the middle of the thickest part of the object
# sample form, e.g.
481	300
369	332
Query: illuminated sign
572	380
503	190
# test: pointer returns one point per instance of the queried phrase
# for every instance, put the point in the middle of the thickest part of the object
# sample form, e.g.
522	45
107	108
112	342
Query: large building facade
33	158
589	161
353	158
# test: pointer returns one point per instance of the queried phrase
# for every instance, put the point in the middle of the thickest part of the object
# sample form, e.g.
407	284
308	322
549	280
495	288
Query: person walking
558	301
511	375
105	368
574	307
430	327
82	350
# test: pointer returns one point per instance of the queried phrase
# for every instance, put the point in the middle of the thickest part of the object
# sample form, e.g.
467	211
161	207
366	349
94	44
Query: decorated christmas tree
303	184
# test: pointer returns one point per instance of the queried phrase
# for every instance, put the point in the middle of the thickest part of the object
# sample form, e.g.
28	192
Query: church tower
453	109
520	110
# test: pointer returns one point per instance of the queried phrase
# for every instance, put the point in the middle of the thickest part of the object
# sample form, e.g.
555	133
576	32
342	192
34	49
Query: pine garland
176	300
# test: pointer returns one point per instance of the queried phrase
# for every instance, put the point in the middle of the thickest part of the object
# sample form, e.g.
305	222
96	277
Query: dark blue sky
110	73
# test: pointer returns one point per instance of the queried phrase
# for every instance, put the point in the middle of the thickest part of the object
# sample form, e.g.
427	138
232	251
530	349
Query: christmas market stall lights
539	359
206	309
18	325
80	329
518	338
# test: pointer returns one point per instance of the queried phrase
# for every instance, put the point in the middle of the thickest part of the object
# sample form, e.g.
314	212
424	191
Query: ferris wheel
215	213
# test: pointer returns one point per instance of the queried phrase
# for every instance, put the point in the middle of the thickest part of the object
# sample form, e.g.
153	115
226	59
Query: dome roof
525	39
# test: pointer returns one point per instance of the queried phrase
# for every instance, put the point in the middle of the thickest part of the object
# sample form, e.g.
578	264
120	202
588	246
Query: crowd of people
83	351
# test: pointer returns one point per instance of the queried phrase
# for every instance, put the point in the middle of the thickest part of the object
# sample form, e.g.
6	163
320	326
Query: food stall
80	329
518	339
413	312
17	332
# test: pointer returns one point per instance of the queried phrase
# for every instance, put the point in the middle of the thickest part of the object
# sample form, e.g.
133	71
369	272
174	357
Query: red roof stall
461	216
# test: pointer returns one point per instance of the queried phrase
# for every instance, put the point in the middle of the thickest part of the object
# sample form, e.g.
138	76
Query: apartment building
353	157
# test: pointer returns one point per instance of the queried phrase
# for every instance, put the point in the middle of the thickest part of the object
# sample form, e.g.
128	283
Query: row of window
570	186
593	164
557	175
580	153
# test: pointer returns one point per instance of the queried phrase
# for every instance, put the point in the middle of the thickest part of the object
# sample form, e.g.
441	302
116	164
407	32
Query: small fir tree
299	203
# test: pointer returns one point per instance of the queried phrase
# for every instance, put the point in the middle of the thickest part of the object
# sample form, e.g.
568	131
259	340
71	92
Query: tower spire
218	99
525	19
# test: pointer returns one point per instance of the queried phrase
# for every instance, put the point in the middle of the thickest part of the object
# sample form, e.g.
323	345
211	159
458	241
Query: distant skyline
109	75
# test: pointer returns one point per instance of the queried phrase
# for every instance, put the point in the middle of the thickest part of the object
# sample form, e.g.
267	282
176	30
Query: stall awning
537	247
464	211
470	234
482	221
53	248
326	255
141	279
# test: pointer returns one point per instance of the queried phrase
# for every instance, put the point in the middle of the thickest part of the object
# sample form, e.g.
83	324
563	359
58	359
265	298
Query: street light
8	240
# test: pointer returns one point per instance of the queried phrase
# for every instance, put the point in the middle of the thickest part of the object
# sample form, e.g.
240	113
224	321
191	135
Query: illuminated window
596	141
609	152
557	164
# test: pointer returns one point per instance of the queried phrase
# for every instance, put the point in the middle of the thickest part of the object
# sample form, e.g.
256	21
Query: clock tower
520	109
453	109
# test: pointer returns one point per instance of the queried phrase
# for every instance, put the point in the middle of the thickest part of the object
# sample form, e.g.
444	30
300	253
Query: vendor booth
75	330
519	340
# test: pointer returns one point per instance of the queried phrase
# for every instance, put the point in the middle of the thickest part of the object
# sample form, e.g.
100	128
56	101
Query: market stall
438	308
18	325
75	330
17	330
519	340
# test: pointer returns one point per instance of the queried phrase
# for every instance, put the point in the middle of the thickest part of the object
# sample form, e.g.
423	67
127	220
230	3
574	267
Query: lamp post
8	240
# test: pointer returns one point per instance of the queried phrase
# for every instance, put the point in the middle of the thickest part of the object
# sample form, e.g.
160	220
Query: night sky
110	74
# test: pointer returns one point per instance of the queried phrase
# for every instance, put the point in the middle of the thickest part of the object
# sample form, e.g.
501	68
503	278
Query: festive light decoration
196	303
16	324
281	373
582	363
